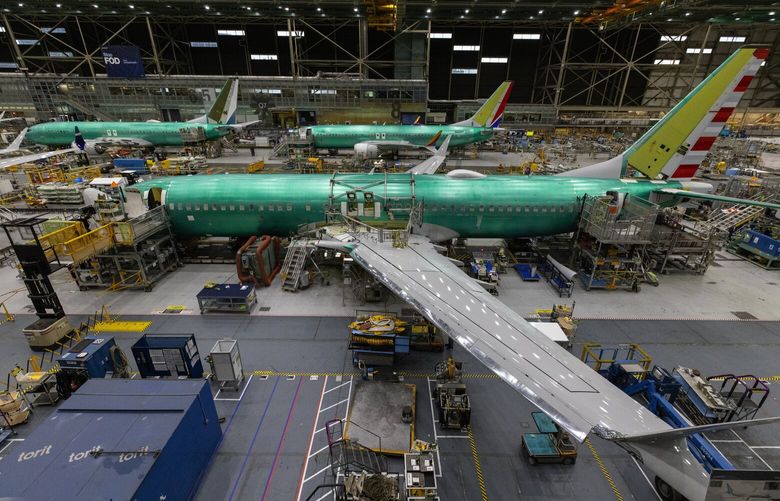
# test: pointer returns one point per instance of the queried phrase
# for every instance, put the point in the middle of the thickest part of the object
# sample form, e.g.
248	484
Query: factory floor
299	376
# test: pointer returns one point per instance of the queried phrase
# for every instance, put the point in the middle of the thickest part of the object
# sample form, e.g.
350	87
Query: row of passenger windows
502	208
234	207
563	208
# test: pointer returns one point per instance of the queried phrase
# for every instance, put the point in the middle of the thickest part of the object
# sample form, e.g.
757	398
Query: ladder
348	456
294	263
281	150
741	214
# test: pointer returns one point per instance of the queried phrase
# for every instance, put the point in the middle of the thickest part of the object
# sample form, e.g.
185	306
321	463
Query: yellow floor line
114	326
478	466
604	470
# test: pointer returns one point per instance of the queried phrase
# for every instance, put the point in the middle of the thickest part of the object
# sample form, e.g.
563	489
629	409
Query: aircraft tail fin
676	145
16	143
79	140
489	114
223	110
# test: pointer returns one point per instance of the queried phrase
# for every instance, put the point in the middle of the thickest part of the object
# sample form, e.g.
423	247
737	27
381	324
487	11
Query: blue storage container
118	439
167	355
134	164
763	243
91	354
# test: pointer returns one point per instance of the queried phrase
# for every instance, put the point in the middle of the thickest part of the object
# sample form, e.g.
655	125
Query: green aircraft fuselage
156	133
346	136
278	204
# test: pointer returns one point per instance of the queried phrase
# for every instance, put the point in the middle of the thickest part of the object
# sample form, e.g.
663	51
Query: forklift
550	445
451	397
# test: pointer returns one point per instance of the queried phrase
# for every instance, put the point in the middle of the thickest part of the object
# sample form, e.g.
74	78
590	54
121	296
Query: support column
86	51
12	38
559	83
293	58
629	67
154	48
362	47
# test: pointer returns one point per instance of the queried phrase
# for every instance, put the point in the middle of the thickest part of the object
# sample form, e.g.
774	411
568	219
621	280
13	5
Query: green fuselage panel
347	136
278	204
157	133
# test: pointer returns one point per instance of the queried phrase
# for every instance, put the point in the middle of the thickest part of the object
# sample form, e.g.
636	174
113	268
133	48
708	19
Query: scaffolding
123	255
610	241
677	245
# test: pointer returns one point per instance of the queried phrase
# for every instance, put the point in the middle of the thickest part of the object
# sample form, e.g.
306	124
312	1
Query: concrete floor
274	445
731	285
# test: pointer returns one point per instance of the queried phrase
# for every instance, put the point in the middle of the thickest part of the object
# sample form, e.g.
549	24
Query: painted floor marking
311	441
334	405
234	399
604	471
752	450
311	455
477	465
337	387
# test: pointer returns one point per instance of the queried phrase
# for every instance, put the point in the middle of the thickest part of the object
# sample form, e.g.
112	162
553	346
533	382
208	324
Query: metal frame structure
606	70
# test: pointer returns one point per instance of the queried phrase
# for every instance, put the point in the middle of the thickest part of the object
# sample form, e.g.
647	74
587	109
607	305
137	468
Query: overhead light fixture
207	7
21	4
355	9
531	17
95	5
462	16
319	9
687	14
737	18
58	5
772	13
286	9
466	11
669	19
131	6
428	11
503	11
541	11
576	13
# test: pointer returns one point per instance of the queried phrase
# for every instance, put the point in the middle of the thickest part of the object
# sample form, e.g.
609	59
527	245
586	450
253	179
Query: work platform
378	406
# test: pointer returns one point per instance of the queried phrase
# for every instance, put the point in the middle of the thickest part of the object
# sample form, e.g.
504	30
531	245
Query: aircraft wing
34	157
392	144
717	198
129	142
578	398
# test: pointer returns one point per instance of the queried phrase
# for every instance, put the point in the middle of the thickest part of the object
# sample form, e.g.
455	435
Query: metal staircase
294	264
738	216
348	456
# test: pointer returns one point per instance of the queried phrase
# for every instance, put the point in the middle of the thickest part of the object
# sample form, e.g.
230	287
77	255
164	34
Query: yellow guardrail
90	244
54	240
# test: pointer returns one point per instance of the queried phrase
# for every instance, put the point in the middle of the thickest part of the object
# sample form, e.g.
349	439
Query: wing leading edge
576	397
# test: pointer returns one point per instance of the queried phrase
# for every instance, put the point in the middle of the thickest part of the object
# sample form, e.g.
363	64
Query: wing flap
717	198
575	396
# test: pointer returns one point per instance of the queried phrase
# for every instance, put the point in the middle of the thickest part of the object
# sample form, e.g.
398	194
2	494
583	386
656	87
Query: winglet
489	114
432	164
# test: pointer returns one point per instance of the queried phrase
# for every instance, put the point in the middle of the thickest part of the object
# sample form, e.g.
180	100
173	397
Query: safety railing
90	244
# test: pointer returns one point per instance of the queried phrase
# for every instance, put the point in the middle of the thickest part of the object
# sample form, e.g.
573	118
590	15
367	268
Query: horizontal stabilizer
717	198
684	432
